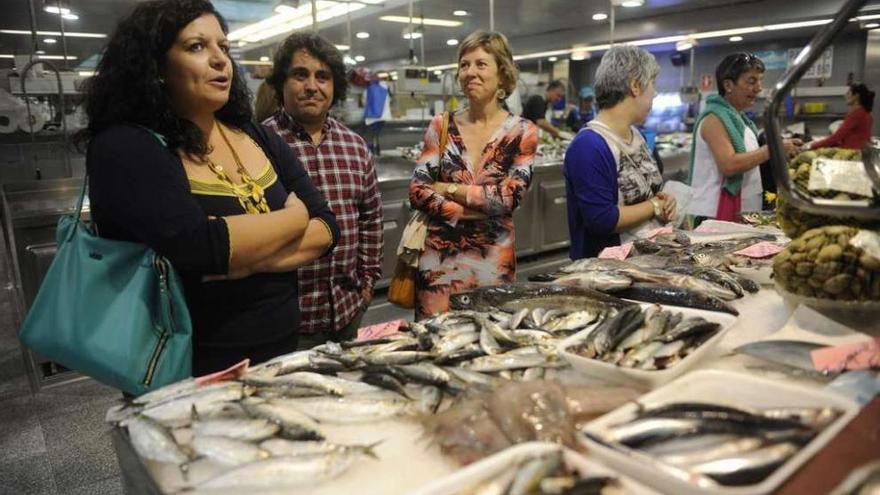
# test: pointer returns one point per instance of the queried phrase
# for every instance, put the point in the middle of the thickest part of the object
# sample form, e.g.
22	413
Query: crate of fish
719	432
647	344
535	468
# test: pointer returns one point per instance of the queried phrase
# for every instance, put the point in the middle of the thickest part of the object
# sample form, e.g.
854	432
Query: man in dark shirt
535	108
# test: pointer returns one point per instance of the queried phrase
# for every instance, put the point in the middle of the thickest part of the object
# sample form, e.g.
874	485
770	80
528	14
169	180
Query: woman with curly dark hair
175	162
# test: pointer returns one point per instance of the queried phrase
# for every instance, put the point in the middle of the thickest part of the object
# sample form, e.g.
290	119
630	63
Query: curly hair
127	87
494	44
319	48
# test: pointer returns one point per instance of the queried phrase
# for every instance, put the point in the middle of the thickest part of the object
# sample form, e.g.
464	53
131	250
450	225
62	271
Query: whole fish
351	409
652	430
178	410
791	353
281	447
454	341
712	275
386	381
613	330
399	357
227	451
675	296
473	378
423	335
531	295
749	467
429	399
294	424
710	238
511	361
425	372
730	448
172	391
151	441
605	281
688	328
287	471
571	321
251	430
329	384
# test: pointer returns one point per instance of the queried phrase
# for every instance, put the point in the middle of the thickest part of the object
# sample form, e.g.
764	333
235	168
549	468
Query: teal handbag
112	310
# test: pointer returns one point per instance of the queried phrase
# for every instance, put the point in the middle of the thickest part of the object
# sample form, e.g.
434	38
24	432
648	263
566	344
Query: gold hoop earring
501	94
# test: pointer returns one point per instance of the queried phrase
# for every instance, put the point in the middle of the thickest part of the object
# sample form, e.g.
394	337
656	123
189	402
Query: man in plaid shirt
334	291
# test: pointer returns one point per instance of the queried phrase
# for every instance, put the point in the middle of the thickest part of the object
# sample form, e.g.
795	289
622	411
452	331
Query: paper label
868	242
659	230
840	175
617	252
231	373
762	249
379	330
858	356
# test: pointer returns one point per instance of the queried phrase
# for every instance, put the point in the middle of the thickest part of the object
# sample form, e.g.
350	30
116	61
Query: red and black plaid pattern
341	166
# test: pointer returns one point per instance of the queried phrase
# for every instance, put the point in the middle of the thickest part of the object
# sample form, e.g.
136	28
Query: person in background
265	103
725	155
175	162
855	132
612	184
536	106
470	189
308	76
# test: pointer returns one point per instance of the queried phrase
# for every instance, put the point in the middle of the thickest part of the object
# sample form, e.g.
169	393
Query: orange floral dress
462	254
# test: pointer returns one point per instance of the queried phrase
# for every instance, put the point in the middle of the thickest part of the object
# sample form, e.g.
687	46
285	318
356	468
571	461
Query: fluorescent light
264	59
69	34
795	25
868	17
419	20
452	42
54	9
348	60
43	57
553	59
343	48
580	55
50	40
632	3
438	72
413	36
86	73
41	52
872	25
600	16
70	17
242	43
288	19
684	45
459	13
362	35
359	58
735	38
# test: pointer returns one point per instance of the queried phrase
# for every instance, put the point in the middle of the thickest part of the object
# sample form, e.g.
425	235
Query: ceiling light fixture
580	54
685	45
343	48
362	35
70	17
50	40
413	36
600	16
735	38
438	72
69	34
56	7
86	73
40	55
359	58
553	59
264	59
872	25
41	52
419	20
288	18
452	42
459	13
632	3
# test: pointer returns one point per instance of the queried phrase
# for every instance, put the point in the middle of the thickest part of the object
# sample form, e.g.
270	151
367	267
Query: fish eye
465	299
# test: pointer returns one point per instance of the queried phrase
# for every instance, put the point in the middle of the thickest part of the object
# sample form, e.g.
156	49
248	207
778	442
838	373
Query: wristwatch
450	189
658	209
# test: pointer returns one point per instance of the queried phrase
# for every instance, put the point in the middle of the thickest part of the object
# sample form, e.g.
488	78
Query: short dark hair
555	84
735	65
866	96
127	86
319	48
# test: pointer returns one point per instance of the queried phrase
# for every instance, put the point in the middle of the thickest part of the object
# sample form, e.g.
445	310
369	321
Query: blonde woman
471	188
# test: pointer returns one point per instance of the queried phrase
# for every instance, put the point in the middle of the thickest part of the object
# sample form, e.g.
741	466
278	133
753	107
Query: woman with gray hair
612	182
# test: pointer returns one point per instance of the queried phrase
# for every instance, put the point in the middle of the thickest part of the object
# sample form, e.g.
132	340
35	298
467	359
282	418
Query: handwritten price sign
858	356
379	330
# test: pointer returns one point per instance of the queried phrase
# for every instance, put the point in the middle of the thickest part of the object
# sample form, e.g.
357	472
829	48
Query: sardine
571	321
689	328
749	467
227	451
608	335
352	409
329	384
517	318
730	448
532	472
386	381
178	410
510	361
473	378
294	424
279	472
425	373
251	430
151	441
281	447
400	357
455	341
429	399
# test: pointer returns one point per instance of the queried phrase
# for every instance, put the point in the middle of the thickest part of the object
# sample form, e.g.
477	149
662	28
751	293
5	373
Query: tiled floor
55	442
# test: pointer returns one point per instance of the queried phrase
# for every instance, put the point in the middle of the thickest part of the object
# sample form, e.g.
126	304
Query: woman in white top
725	155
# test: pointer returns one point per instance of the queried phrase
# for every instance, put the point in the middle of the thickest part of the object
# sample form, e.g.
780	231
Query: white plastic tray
727	388
654	378
465	479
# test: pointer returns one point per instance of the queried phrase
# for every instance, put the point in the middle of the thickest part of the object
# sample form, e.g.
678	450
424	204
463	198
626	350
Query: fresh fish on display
178	410
675	296
280	447
352	409
226	451
330	385
294	424
605	281
532	295
251	430
790	353
152	441
749	467
279	472
386	381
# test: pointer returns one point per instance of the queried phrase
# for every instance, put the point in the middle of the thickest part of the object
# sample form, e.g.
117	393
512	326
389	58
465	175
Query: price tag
230	373
379	330
617	252
859	356
763	249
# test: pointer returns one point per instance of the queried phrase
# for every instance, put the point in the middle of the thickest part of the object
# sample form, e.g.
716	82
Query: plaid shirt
341	166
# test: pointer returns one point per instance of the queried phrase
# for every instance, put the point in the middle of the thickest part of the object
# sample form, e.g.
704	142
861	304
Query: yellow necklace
251	195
